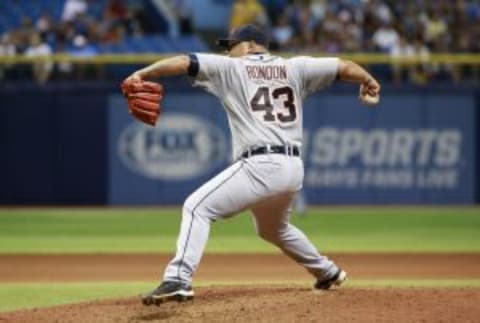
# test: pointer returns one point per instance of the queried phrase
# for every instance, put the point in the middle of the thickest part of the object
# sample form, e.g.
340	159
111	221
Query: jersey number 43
262	101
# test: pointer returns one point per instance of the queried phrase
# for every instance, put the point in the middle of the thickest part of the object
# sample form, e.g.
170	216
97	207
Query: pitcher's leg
272	224
191	242
224	195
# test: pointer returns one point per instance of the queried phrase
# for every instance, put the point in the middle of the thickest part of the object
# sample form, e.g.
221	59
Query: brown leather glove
144	98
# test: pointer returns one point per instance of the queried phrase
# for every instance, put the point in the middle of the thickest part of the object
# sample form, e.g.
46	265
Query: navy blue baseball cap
244	33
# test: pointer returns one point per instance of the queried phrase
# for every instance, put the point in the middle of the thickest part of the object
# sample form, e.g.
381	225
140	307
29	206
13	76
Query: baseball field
405	264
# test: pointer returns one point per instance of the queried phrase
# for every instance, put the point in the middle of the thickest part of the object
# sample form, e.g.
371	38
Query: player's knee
189	205
277	236
194	207
269	235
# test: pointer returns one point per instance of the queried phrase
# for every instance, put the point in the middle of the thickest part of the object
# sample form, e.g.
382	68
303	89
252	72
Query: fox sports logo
179	147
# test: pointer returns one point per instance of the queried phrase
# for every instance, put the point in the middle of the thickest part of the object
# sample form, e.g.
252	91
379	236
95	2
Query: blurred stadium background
66	139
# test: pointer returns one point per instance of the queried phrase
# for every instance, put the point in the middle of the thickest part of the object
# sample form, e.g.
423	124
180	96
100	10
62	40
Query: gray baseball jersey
263	94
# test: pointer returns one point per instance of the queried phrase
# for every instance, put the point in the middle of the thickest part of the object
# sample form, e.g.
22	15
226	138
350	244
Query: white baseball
369	99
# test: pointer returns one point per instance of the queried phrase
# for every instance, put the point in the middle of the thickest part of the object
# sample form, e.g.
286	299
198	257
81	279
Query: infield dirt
235	268
258	303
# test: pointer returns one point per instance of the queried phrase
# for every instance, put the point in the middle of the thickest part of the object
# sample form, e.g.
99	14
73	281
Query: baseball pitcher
262	95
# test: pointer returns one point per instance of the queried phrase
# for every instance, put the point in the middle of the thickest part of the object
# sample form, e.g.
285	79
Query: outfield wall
75	144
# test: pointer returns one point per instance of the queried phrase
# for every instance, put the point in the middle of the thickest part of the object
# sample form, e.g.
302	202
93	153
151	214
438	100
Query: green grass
332	229
28	295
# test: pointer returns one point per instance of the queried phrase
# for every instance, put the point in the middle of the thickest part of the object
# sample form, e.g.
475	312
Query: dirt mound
276	304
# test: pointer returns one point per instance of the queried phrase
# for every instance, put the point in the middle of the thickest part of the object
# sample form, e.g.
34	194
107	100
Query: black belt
286	150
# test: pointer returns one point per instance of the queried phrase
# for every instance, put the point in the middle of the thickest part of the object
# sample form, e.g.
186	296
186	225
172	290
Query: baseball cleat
337	279
168	291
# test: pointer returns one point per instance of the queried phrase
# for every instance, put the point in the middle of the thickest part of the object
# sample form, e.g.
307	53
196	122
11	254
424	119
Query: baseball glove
144	99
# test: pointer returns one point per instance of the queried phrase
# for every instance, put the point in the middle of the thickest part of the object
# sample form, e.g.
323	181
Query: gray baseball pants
265	184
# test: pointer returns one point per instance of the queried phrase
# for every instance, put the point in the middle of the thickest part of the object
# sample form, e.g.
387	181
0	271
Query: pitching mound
277	304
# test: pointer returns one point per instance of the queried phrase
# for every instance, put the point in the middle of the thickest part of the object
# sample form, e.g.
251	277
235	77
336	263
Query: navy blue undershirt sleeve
193	68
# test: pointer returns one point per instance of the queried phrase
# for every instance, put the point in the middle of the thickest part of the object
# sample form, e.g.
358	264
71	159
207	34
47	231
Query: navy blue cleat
337	280
168	291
